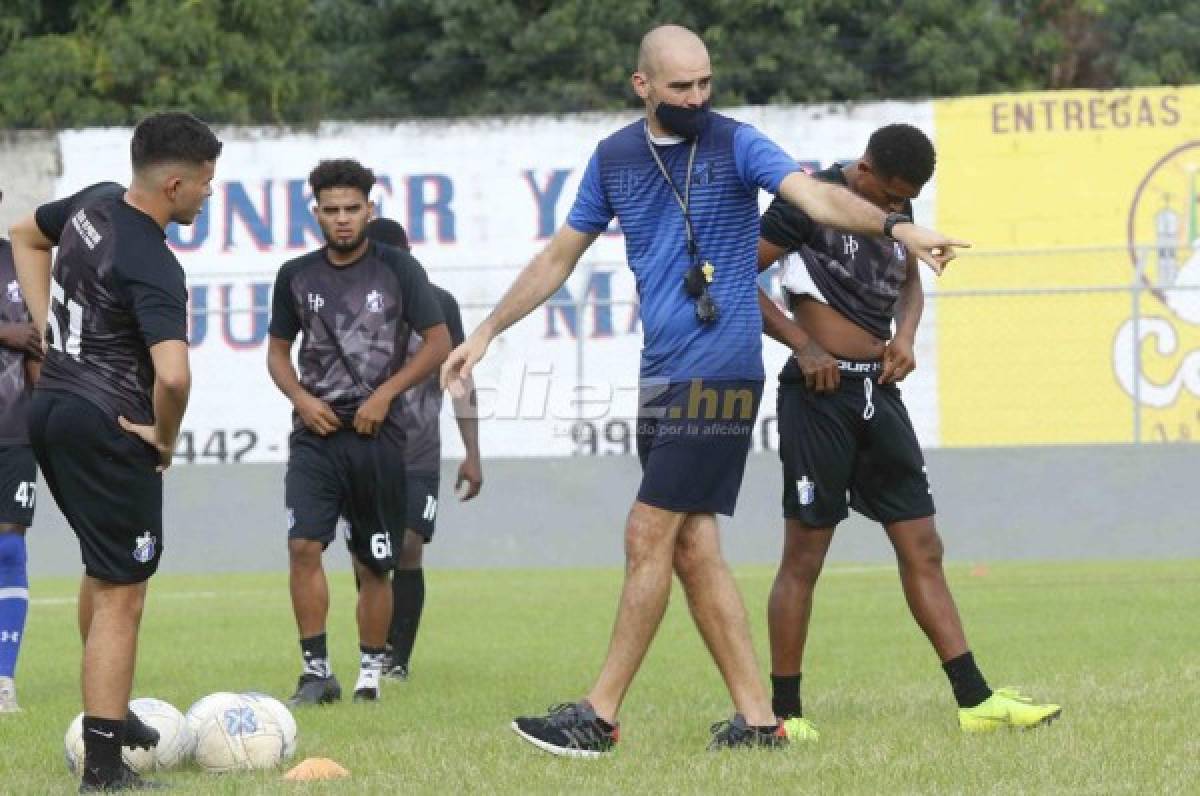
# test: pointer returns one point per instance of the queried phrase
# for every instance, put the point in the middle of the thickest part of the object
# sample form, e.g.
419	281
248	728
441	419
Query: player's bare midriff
832	331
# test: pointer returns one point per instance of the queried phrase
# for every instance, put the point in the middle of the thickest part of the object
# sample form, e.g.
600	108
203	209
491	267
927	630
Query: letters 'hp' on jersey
423	403
356	320
859	276
116	290
733	161
14	388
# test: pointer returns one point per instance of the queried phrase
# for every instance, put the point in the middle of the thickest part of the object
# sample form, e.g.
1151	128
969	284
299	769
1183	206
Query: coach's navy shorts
693	438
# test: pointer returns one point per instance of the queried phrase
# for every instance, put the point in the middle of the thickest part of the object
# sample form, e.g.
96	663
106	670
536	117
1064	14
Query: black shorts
105	481
355	478
853	447
18	485
693	439
422	503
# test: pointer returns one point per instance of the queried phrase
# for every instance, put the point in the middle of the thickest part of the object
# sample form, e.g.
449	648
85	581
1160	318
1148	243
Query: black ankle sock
408	601
785	696
970	689
316	655
102	740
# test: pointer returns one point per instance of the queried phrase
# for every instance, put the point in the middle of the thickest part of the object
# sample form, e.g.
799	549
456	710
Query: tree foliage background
72	63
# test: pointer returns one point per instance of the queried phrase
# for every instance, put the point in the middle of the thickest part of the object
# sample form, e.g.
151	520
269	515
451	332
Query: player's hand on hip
371	414
898	360
149	435
820	369
23	337
470	472
317	415
461	361
931	247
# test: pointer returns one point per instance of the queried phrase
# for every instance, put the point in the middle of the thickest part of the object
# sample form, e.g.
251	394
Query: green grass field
1118	644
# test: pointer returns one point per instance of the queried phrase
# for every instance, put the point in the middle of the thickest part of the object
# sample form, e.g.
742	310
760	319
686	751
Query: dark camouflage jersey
860	276
356	321
14	388
116	291
423	403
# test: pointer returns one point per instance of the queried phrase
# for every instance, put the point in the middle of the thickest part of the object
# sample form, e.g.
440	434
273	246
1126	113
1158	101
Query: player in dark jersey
111	396
355	303
423	409
843	427
20	353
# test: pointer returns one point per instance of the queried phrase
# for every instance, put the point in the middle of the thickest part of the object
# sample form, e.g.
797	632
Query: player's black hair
341	173
385	230
901	150
172	137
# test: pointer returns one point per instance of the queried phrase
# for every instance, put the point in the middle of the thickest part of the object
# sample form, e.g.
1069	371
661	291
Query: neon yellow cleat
801	730
1006	708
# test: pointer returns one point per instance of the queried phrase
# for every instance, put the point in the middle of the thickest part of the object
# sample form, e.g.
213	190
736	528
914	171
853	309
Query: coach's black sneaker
569	730
139	734
737	734
124	778
313	690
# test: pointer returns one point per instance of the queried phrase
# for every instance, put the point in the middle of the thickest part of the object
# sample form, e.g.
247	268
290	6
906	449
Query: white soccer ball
205	708
174	736
73	745
241	734
174	744
283	717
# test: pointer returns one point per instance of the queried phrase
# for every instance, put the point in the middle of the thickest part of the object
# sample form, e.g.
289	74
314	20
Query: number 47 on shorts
26	494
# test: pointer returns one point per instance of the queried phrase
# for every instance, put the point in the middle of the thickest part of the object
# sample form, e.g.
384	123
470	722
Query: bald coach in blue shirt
683	183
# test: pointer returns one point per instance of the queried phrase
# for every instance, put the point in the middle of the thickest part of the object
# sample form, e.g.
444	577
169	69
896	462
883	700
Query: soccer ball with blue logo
283	716
239	734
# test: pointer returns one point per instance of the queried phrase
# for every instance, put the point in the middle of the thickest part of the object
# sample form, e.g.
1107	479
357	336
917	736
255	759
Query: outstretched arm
544	275
835	206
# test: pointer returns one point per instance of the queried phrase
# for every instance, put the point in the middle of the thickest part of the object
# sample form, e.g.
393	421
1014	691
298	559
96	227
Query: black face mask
683	121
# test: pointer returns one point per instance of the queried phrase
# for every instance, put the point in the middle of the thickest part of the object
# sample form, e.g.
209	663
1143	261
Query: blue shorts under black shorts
693	438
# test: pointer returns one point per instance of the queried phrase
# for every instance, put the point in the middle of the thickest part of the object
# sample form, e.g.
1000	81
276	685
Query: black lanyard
684	199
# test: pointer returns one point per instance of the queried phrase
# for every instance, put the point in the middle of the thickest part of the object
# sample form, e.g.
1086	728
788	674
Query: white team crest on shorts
144	551
374	301
806	491
14	291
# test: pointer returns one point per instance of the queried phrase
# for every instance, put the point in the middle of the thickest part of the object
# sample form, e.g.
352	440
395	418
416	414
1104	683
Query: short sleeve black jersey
423	403
14	387
354	321
859	276
116	291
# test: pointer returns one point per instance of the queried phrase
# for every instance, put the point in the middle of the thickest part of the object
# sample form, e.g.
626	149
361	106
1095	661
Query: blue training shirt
733	161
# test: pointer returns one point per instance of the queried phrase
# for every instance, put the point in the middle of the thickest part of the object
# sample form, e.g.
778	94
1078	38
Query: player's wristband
892	220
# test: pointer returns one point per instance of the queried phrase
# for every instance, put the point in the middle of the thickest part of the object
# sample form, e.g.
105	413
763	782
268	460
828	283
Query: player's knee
692	558
924	552
803	566
644	548
304	555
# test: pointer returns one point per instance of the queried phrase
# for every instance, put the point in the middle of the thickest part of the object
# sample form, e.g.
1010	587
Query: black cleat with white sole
314	690
569	730
139	734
